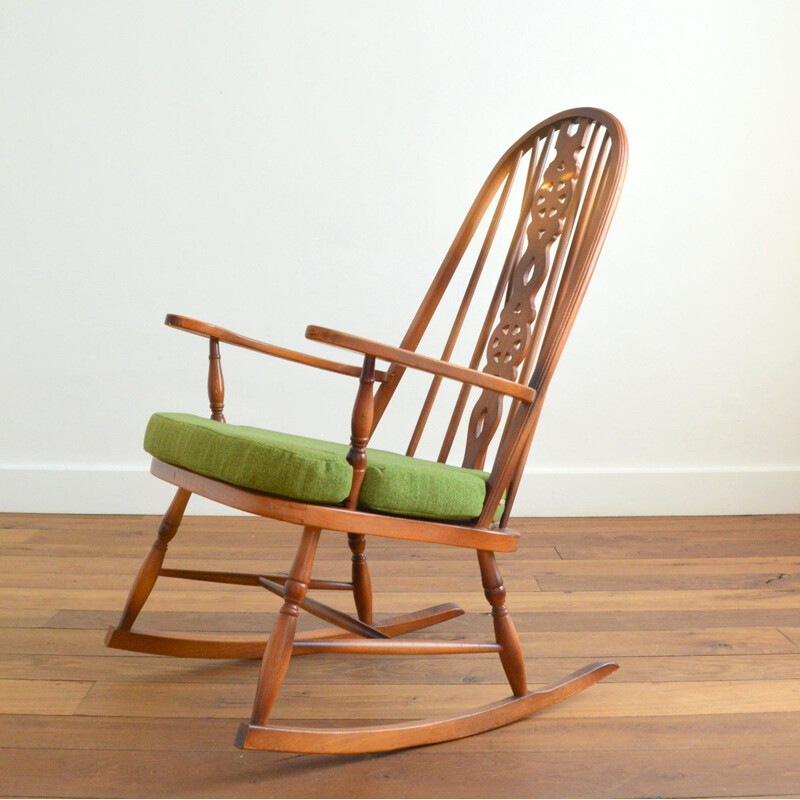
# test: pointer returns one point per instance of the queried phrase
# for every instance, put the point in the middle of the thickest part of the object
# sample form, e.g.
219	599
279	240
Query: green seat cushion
314	471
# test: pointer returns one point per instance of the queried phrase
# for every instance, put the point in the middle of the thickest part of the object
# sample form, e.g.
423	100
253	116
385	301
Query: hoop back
575	167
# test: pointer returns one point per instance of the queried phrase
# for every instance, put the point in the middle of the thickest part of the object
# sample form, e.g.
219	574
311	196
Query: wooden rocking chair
572	167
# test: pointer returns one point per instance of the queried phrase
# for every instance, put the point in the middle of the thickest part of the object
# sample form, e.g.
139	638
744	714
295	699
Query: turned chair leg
148	572
362	585
281	640
504	630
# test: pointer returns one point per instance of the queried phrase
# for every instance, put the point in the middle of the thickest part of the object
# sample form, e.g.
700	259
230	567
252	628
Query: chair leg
281	640
362	585
148	572
504	630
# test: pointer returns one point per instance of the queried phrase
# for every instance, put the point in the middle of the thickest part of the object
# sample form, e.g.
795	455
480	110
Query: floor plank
703	772
51	696
525	621
589	644
25	617
539	734
400	602
517	565
394	670
424	700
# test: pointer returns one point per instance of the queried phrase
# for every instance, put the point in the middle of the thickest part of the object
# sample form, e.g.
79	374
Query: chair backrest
573	165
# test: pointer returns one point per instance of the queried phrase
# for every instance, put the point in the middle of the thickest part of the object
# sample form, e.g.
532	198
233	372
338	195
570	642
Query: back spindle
464	306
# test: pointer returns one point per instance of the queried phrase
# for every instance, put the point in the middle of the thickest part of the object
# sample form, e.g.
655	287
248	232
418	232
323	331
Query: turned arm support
361	428
214	332
216	383
408	358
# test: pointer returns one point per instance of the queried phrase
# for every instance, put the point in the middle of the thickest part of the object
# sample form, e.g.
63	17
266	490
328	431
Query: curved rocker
237	646
382	738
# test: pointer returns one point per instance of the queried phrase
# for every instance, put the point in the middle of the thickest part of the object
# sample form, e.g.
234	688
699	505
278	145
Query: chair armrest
408	358
224	335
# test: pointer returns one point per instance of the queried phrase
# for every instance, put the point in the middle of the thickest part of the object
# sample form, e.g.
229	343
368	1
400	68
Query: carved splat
508	342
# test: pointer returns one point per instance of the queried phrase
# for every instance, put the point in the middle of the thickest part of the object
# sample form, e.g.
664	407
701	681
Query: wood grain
31	696
390	671
210	600
408	358
680	772
414	701
218	334
706	701
336	517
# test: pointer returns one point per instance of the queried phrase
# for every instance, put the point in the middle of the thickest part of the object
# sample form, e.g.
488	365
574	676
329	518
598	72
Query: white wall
268	165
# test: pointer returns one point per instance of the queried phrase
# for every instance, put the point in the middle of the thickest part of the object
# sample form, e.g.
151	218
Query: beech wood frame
527	352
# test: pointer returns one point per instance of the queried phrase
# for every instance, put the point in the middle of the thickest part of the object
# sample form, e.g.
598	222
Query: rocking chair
570	169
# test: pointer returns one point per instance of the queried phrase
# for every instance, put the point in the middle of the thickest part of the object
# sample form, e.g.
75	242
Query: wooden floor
703	615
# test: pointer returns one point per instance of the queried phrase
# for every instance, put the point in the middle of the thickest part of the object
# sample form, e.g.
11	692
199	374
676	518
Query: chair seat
313	470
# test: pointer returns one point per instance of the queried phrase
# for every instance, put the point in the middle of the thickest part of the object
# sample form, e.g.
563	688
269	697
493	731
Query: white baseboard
132	490
646	492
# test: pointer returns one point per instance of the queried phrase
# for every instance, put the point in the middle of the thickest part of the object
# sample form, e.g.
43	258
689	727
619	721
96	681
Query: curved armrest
408	358
223	335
